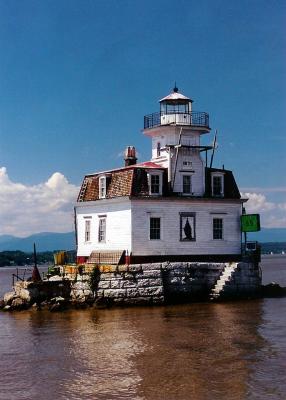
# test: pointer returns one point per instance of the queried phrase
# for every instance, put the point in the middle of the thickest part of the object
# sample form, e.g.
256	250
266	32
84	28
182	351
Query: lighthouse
173	207
175	131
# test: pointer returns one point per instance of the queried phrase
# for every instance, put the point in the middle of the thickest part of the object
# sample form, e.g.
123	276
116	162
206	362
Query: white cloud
280	189
273	214
48	206
257	202
28	209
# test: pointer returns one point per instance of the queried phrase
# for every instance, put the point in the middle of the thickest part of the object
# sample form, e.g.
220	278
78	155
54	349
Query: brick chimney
130	156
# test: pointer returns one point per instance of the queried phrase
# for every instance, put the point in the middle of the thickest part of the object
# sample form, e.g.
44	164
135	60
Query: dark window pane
217	186
186	184
158	149
87	231
155	184
155	228
217	228
102	230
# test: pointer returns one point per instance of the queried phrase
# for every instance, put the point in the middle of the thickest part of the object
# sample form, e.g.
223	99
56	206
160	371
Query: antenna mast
214	148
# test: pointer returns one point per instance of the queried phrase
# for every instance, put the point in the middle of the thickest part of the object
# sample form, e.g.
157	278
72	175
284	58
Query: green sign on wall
250	222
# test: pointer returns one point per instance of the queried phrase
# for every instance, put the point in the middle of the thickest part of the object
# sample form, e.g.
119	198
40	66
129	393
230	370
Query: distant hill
48	241
45	241
273	248
6	238
267	235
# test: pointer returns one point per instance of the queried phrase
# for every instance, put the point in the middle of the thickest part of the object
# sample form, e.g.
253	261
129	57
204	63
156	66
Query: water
234	350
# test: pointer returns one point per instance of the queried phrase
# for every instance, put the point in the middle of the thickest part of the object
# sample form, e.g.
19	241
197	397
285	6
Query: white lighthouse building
171	208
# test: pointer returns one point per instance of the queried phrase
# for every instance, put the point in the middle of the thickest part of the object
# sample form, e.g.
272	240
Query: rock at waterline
18	304
273	289
8	298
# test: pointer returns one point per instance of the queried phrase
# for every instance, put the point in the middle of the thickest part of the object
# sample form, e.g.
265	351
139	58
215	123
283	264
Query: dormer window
155	182
218	185
103	184
102	187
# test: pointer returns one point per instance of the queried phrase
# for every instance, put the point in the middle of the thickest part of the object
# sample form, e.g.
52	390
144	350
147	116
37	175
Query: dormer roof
133	181
126	181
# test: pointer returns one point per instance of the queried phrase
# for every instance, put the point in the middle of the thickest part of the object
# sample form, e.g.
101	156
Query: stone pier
143	284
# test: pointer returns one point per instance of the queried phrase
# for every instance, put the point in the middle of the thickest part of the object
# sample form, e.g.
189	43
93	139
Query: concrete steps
223	280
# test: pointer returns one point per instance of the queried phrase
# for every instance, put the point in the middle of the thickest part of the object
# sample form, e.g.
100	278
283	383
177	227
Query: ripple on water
227	351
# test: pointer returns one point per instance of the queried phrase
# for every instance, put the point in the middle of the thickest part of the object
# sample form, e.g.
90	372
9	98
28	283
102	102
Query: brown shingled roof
133	181
126	181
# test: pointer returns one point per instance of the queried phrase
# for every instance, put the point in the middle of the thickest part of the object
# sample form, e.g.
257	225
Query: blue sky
77	78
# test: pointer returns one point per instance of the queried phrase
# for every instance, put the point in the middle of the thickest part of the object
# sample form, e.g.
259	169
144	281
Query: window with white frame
155	183
155	228
217	185
217	228
102	187
102	230
87	230
187	184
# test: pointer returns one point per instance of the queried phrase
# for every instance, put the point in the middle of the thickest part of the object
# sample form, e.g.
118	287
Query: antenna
177	152
214	148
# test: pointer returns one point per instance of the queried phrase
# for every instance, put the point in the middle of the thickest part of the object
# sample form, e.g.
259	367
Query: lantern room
176	109
175	103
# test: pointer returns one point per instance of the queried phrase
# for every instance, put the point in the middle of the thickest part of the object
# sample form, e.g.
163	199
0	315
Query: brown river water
232	351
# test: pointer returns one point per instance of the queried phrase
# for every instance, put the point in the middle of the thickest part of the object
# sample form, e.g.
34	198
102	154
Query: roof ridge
145	164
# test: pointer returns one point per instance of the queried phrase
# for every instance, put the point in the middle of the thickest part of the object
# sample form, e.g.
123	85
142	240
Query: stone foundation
175	282
143	284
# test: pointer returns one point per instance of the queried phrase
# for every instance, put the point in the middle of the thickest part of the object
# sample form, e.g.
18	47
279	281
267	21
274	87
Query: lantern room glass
174	108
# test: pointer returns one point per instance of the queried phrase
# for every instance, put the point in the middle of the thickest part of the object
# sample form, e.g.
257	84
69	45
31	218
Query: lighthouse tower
175	131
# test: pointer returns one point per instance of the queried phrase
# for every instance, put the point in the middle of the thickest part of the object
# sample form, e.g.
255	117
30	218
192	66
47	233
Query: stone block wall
133	284
159	283
146	284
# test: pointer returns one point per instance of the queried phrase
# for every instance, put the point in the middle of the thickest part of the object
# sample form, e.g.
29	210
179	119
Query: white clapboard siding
118	225
169	212
198	174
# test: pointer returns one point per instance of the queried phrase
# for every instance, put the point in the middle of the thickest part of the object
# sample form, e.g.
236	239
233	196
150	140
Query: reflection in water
202	351
104	347
198	351
226	351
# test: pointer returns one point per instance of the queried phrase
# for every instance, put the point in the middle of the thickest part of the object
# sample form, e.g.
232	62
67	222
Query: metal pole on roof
214	148
176	160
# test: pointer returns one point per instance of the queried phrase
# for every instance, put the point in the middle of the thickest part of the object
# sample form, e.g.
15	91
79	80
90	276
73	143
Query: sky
77	78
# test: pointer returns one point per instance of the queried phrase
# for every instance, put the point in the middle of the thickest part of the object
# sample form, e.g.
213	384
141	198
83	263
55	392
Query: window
155	184
187	164
187	226
102	230
102	187
87	231
155	179
158	149
187	184
217	228
217	185
155	228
